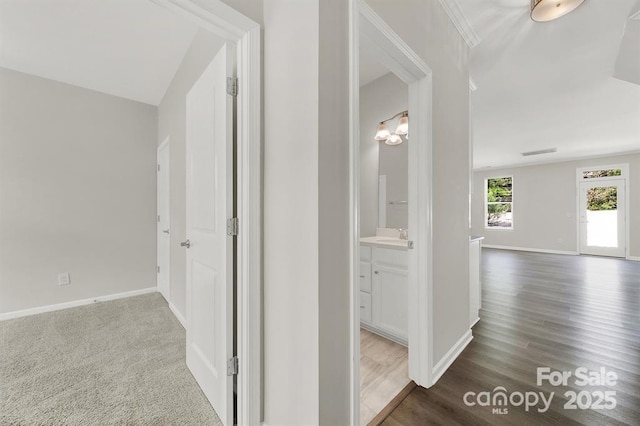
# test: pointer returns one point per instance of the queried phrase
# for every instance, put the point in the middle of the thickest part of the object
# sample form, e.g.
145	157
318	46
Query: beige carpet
111	363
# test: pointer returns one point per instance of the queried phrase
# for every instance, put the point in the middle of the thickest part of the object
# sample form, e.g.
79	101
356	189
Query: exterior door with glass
603	218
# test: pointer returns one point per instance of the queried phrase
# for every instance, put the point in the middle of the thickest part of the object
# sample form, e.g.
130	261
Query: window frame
624	168
486	203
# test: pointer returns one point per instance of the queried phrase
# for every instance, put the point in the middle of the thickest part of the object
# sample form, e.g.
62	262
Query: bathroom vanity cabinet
384	291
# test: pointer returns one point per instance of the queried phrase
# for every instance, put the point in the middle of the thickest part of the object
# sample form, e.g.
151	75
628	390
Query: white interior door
210	250
603	218
163	228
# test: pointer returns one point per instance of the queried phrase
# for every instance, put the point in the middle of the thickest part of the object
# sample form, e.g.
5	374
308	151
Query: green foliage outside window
602	198
500	190
601	173
499	199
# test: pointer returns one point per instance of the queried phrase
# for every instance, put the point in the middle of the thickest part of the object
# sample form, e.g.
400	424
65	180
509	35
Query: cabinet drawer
365	277
365	307
391	257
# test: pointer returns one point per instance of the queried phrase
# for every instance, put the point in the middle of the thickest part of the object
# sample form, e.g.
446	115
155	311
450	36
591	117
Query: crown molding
453	9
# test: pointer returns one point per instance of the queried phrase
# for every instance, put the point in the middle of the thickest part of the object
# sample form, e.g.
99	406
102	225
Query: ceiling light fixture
402	129
548	10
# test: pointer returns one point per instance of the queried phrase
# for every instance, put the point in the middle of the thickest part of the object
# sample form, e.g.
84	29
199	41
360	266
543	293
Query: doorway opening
384	224
243	38
408	319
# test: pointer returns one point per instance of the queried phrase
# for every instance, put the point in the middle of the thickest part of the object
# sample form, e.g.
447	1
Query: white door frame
229	24
164	145
625	177
366	27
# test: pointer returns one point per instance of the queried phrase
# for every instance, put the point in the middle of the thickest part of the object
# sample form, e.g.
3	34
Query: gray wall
535	188
425	26
172	123
379	100
77	193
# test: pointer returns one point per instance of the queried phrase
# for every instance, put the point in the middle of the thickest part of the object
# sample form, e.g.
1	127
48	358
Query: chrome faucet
404	234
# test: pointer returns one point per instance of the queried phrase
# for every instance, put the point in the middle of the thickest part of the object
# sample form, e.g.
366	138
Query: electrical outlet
64	279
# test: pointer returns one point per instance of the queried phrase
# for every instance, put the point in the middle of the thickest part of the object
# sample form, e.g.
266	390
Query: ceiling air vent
542	151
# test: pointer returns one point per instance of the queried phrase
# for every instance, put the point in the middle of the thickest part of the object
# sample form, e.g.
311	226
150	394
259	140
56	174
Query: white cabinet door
390	301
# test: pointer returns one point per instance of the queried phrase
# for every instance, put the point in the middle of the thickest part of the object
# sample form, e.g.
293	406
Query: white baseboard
446	361
387	336
634	258
534	250
73	304
178	315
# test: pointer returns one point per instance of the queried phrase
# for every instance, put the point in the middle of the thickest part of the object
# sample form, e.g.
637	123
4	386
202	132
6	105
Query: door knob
376	272
186	244
166	231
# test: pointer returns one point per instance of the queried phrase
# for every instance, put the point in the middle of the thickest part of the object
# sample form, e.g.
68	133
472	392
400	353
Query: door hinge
232	366
158	269
158	167
232	226
232	86
158	218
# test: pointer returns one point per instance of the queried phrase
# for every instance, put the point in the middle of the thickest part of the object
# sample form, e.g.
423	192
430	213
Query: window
591	174
499	210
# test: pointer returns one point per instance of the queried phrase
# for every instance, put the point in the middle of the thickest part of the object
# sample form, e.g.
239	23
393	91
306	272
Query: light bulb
403	125
393	140
382	132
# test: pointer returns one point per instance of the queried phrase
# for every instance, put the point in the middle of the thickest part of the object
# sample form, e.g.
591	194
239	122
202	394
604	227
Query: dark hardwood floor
543	310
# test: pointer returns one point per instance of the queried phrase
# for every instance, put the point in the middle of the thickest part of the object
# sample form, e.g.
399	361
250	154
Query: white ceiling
126	48
552	85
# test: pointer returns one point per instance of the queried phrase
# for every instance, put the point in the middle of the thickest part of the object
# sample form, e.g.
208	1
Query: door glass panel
602	216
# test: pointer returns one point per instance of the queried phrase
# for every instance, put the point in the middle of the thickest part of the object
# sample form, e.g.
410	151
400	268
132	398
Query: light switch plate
64	279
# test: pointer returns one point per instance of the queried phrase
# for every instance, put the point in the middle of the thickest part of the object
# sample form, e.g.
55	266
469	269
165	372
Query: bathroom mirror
393	186
383	168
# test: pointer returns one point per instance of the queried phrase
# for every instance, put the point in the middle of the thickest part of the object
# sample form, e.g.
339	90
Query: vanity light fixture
548	10
383	133
394	139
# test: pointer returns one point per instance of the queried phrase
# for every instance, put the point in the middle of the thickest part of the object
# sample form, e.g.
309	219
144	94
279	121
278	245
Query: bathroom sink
388	241
392	241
